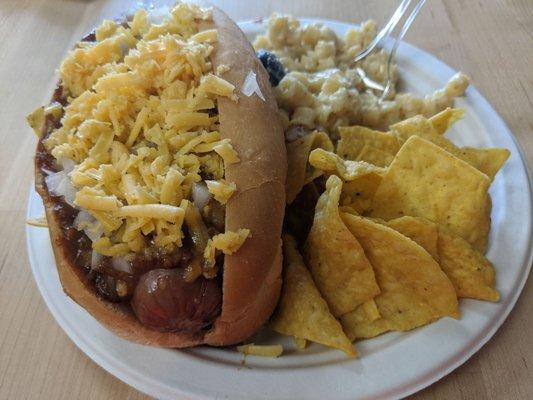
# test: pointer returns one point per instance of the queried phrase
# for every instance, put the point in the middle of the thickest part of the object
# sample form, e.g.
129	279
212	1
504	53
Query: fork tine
387	29
397	42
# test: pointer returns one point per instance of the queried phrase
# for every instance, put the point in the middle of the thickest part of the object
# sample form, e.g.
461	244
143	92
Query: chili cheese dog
164	184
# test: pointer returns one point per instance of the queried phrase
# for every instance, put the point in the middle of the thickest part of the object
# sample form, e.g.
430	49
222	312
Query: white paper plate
391	366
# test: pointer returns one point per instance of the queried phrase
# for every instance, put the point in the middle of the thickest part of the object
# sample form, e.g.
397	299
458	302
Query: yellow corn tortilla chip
346	169
414	290
299	171
471	273
488	161
422	231
426	181
442	121
378	148
335	258
363	144
363	315
358	194
417	125
302	312
374	156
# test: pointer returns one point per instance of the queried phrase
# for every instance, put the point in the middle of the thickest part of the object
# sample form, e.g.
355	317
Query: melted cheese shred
141	128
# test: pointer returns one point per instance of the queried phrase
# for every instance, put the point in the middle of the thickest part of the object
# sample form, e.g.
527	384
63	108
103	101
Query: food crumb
221	69
39	222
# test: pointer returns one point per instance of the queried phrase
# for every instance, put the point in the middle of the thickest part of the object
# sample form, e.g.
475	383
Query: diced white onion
82	220
59	184
200	195
89	225
121	264
96	259
54	183
70	192
94	231
250	86
67	164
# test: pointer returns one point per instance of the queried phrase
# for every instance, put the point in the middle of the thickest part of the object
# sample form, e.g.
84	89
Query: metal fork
401	11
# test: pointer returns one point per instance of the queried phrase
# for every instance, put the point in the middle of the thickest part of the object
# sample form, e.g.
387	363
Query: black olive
275	69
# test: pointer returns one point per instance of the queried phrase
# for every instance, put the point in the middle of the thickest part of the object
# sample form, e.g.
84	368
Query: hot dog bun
252	275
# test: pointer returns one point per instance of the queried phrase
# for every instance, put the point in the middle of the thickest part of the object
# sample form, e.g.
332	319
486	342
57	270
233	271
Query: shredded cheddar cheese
39	222
221	190
141	128
262	350
37	118
228	243
226	151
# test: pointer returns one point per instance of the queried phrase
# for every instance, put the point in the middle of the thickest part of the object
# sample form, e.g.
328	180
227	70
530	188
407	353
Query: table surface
492	41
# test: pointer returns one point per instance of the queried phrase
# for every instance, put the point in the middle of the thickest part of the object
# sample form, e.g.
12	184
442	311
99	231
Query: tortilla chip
346	169
414	290
356	327
470	272
375	156
445	119
417	125
299	172
358	194
363	315
426	181
488	161
302	312
335	258
422	231
363	144
378	148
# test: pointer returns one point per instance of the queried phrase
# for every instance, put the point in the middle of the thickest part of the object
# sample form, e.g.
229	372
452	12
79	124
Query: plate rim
144	384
